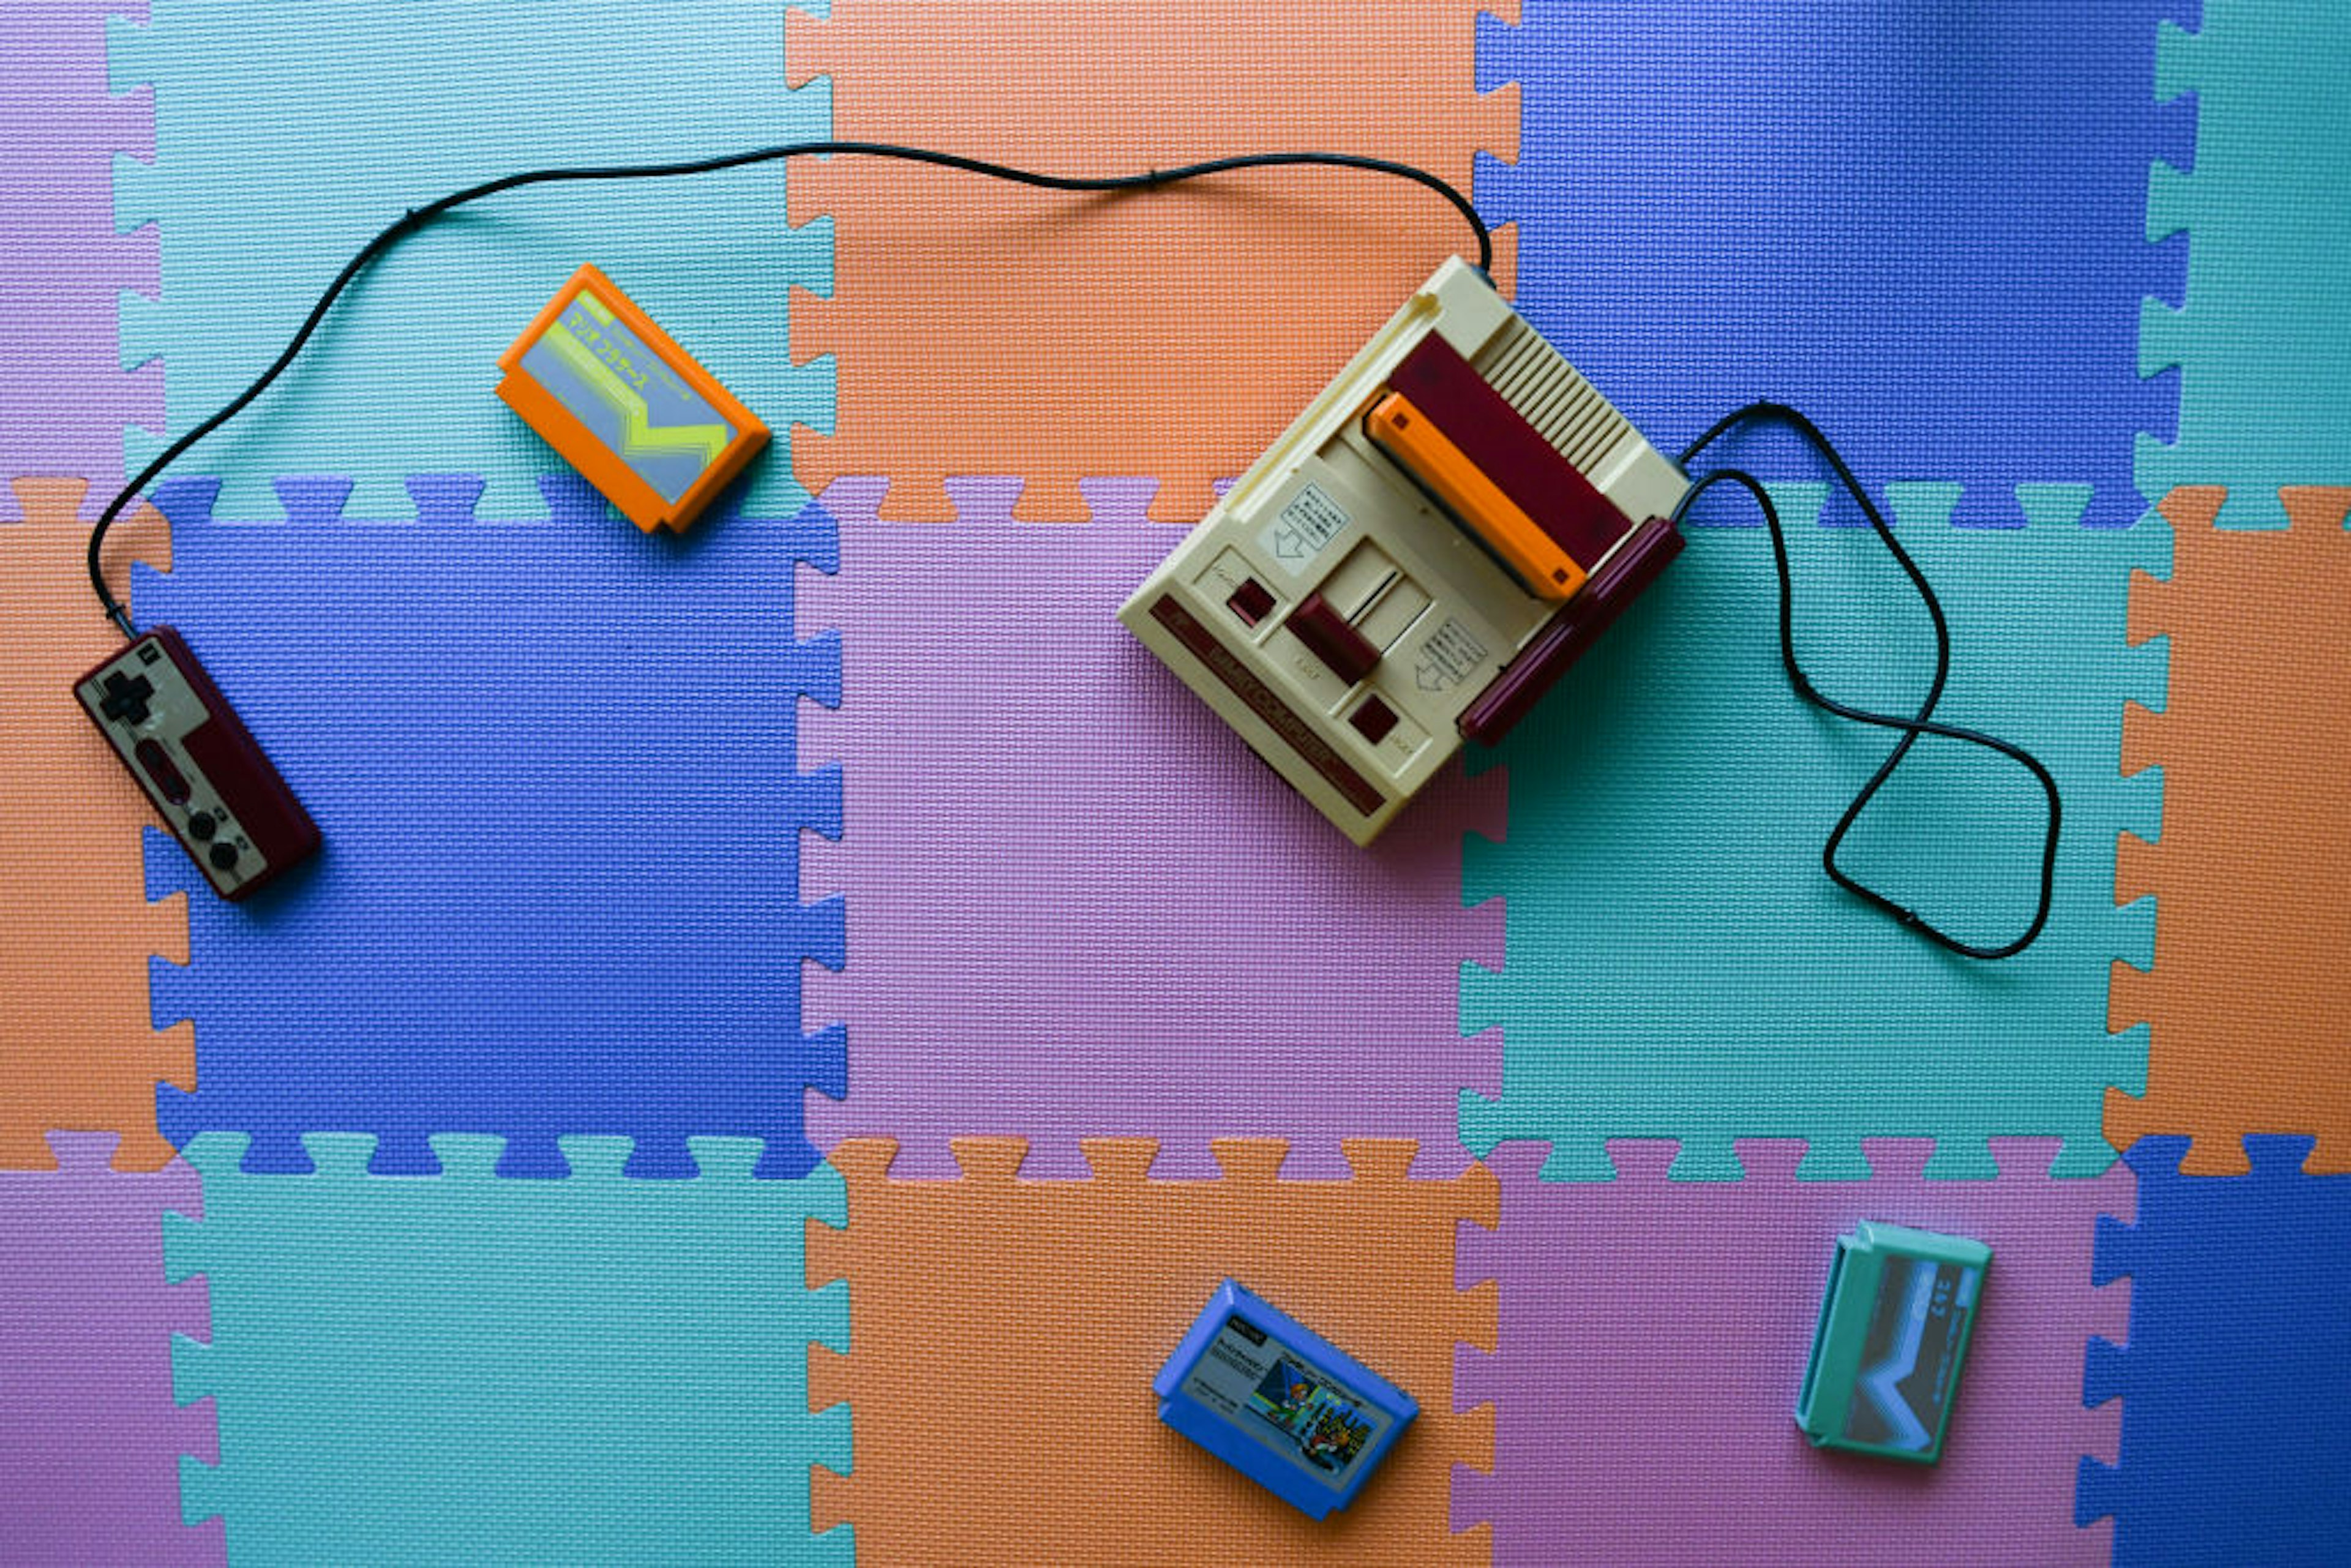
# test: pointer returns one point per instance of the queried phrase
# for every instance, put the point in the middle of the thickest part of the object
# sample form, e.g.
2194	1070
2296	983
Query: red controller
200	767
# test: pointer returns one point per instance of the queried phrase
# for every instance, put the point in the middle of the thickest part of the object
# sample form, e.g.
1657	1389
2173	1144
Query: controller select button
168	779
222	856
201	826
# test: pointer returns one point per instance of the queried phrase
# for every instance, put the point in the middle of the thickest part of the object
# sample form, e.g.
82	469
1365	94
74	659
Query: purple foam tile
1653	1334
1078	906
64	396
90	1438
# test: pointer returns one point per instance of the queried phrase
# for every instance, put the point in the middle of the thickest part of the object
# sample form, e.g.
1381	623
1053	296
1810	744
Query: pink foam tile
64	396
1077	905
1654	1334
91	1437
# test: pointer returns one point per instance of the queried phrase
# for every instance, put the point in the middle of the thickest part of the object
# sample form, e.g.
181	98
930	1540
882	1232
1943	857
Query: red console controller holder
201	769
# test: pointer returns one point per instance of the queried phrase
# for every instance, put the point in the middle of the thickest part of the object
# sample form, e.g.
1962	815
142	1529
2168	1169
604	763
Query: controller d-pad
126	697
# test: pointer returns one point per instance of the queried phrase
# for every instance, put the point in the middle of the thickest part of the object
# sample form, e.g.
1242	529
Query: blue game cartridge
1893	1333
1279	1402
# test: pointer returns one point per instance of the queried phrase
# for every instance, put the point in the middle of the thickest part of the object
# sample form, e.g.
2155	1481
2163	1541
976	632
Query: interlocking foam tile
2239	1367
463	1367
1008	1331
285	143
2248	1003
983	327
553	763
89	1435
1923	226
1654	1334
64	398
2259	343
75	929
1677	966
1078	905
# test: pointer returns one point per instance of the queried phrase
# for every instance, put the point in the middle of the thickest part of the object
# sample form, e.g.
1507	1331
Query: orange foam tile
1003	1333
77	1052
2248	1003
988	329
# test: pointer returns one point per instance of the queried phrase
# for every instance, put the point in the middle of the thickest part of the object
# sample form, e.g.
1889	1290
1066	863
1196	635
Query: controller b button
202	825
223	855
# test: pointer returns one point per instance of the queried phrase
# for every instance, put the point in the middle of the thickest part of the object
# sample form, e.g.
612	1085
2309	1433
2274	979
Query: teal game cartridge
1892	1337
1280	1404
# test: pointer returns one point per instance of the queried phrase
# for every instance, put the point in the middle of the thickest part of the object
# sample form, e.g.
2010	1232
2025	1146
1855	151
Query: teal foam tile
1676	965
286	137
466	1367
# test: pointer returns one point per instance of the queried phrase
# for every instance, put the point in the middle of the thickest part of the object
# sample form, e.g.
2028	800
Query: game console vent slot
1551	395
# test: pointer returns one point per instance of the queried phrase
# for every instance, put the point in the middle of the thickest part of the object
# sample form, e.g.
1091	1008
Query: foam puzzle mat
793	1021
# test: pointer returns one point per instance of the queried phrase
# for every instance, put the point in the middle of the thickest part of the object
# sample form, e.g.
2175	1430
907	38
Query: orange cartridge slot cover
1406	434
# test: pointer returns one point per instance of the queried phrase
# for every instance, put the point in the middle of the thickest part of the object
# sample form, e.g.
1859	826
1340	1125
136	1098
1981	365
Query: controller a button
224	854
203	826
126	697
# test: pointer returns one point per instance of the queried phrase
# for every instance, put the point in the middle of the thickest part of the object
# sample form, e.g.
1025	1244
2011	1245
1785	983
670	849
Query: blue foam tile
2238	1370
1924	224
554	764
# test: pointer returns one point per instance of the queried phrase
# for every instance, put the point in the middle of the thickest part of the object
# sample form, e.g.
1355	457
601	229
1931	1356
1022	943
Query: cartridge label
618	386
1285	1401
1917	1328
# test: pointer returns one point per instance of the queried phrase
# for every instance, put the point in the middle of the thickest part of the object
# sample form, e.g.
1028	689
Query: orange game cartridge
626	406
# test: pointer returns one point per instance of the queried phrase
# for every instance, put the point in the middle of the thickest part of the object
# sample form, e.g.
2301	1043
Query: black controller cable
1913	727
1918	724
417	217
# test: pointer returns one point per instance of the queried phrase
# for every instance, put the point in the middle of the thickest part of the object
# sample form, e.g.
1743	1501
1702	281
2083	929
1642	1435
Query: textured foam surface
1923	226
64	398
1677	964
2238	1364
2259	339
90	1435
553	764
1654	1334
284	143
466	1366
75	929
1078	906
2249	1004
1007	1331
983	327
